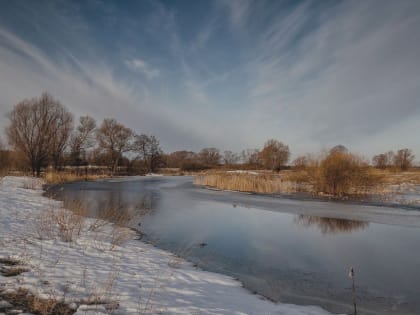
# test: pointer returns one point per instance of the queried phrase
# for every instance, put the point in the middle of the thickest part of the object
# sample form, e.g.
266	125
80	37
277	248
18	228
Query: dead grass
267	183
65	177
22	299
12	271
7	261
395	177
118	221
65	224
10	267
309	180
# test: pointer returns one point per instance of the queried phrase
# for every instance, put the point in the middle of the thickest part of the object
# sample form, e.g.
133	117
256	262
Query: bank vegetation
43	138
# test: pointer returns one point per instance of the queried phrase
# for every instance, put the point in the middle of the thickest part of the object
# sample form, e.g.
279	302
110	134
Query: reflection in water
330	225
121	207
233	234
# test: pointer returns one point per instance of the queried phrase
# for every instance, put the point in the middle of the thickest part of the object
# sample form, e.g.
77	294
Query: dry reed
246	182
65	224
65	177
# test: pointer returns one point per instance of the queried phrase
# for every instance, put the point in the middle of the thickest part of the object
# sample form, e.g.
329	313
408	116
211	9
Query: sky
229	74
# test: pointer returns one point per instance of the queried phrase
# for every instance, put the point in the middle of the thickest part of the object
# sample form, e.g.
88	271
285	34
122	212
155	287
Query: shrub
341	173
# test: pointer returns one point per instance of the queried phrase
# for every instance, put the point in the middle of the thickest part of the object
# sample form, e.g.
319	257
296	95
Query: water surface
289	250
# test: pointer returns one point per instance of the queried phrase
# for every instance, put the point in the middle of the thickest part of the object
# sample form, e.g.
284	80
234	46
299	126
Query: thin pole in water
351	275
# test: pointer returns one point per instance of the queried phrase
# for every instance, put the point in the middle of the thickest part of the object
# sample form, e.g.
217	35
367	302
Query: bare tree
60	138
383	160
274	155
301	162
155	154
403	159
141	146
5	159
180	158
209	156
339	148
148	150
250	156
230	158
82	139
114	139
380	161
35	130
390	155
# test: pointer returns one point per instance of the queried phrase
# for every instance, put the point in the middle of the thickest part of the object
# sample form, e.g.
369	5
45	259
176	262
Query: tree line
274	156
43	133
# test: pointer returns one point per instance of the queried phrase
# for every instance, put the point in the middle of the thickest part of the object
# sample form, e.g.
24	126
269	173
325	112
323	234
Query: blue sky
229	74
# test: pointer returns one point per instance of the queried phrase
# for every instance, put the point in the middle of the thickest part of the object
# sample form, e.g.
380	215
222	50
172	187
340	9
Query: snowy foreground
128	277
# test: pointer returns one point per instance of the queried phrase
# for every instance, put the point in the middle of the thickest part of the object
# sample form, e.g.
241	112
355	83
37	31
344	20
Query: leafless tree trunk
5	160
250	156
148	150
82	139
35	130
114	139
403	159
209	156
60	138
230	158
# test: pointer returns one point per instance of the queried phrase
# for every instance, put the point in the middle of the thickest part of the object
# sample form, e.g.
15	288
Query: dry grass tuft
337	174
65	224
247	182
10	267
65	177
22	299
8	261
12	271
118	220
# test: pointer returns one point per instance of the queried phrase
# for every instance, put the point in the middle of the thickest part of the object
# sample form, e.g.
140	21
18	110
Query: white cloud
140	65
353	75
311	77
91	89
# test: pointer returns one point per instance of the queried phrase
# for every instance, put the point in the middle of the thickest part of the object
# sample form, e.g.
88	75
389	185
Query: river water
289	250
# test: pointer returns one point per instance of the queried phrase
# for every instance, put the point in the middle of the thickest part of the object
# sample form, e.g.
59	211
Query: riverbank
54	178
390	188
93	271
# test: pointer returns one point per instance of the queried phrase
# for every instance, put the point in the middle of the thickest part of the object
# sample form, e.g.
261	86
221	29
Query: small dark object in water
202	244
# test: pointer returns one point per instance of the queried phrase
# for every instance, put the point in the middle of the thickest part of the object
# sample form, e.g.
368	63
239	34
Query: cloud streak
310	74
140	65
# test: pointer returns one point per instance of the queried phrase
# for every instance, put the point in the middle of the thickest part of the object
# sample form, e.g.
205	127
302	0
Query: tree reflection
331	225
120	208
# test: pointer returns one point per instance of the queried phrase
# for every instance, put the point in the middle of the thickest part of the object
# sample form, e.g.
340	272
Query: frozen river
289	250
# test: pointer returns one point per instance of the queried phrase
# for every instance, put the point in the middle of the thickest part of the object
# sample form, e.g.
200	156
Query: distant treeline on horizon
42	133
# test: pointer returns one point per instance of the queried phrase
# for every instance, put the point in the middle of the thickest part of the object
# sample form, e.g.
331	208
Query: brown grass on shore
24	300
250	182
309	180
53	177
395	177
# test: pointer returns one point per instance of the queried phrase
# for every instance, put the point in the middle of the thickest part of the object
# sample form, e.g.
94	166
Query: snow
127	278
242	172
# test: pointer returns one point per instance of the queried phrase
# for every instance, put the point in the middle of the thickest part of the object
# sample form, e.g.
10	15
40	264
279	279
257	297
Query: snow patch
132	278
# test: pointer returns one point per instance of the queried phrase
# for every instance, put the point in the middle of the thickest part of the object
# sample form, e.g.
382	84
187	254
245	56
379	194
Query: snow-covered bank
137	277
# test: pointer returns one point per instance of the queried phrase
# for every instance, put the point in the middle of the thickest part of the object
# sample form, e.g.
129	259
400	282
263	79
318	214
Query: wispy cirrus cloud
142	66
344	74
312	74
